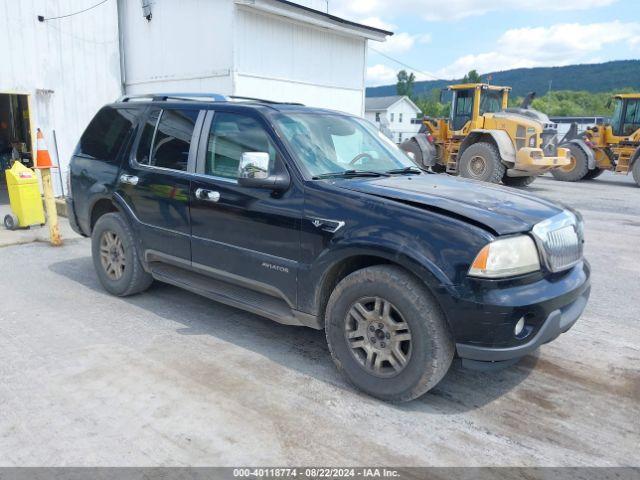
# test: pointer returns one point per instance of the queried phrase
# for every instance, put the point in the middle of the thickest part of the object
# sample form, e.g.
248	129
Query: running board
233	295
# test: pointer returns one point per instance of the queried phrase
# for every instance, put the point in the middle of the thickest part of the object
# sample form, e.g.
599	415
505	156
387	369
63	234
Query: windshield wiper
351	173
403	171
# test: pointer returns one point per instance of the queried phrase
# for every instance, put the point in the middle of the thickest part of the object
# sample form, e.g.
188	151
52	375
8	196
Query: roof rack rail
215	97
175	96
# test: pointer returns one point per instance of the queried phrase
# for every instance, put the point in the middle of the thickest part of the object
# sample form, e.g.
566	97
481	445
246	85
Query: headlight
506	257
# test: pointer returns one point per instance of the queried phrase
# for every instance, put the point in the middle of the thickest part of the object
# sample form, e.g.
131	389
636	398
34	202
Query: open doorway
15	136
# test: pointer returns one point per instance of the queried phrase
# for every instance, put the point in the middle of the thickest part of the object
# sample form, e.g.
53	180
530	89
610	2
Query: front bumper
559	321
532	160
483	314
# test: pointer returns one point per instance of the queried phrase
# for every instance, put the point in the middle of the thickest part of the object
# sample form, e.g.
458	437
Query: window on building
392	115
378	117
166	139
232	135
399	118
400	137
106	133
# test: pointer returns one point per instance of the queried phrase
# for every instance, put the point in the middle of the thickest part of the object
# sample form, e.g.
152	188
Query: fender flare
581	144
500	137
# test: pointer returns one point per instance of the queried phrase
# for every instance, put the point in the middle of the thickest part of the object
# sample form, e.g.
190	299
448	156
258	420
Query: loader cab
626	115
471	101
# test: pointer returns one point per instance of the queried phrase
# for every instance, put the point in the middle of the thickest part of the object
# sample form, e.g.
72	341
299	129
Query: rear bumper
71	215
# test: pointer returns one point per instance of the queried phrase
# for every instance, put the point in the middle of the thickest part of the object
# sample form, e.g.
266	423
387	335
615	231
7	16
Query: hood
500	209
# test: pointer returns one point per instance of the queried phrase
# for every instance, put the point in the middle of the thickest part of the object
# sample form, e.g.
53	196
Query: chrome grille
560	240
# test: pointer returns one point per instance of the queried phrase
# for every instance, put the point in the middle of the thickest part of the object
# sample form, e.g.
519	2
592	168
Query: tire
481	161
427	353
593	174
411	146
518	181
118	278
636	171
10	221
576	170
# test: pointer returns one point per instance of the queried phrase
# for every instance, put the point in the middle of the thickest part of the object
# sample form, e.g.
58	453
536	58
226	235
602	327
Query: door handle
129	179
207	195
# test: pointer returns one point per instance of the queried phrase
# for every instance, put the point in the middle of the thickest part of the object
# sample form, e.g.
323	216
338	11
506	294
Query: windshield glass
490	101
616	119
327	143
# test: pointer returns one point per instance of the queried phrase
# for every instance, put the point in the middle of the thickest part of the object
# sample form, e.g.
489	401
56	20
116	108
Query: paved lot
168	378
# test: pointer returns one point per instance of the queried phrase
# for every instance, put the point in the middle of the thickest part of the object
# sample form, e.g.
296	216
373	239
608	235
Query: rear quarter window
105	135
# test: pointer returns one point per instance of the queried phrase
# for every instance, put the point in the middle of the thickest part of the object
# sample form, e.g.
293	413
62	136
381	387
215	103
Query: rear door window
166	138
106	134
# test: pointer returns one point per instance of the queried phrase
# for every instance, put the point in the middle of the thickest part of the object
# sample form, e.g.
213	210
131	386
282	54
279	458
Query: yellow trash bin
24	197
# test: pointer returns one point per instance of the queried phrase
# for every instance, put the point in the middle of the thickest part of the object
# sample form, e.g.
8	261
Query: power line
426	74
41	18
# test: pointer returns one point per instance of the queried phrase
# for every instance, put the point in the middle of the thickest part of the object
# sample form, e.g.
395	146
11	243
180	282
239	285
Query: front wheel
387	334
576	170
593	174
482	161
518	181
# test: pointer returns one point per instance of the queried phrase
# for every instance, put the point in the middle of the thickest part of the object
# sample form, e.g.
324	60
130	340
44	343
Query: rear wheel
636	171
387	334
595	173
412	147
518	181
482	161
115	257
576	170
10	221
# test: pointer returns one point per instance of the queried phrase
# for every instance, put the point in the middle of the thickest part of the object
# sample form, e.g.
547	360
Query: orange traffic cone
43	159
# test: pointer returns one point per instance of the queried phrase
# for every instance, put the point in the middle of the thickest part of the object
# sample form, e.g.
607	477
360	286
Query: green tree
472	77
405	83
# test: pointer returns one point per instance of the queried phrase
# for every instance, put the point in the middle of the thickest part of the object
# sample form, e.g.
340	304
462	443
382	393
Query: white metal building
273	49
55	74
399	111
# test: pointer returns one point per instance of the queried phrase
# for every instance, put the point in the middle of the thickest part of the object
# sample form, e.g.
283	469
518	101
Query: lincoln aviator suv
310	217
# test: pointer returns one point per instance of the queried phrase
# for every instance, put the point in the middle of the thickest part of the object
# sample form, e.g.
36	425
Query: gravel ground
169	378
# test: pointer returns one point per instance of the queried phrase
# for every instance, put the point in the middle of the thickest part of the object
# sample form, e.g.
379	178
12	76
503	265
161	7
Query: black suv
312	217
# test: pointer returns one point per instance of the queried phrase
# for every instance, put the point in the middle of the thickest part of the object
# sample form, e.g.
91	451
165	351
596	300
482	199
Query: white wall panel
186	45
280	48
344	100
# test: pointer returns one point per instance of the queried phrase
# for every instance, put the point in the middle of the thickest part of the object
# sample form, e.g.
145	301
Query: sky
447	38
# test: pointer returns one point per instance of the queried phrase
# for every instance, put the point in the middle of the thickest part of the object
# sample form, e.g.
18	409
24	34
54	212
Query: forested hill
599	77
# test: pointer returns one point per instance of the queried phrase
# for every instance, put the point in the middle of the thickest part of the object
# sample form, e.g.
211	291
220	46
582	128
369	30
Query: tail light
430	138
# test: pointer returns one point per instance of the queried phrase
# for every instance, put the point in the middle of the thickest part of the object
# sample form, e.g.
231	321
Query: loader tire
481	161
411	146
576	170
517	181
593	174
636	171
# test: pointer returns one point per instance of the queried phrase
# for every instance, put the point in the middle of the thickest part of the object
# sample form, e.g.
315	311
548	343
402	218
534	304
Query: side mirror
253	172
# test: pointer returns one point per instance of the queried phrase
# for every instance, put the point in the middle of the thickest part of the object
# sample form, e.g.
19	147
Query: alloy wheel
112	255
378	336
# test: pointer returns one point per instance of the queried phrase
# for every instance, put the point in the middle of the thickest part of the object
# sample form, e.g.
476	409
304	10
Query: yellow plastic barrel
24	195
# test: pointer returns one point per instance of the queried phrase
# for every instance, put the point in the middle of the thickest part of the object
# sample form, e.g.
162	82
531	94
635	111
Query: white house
399	111
58	70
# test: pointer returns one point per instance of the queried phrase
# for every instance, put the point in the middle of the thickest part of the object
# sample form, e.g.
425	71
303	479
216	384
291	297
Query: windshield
333	143
491	101
616	119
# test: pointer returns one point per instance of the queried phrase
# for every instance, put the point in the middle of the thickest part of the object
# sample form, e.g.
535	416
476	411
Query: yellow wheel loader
484	140
614	146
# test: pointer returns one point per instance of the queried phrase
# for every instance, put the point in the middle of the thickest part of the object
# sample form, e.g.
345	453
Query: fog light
519	327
